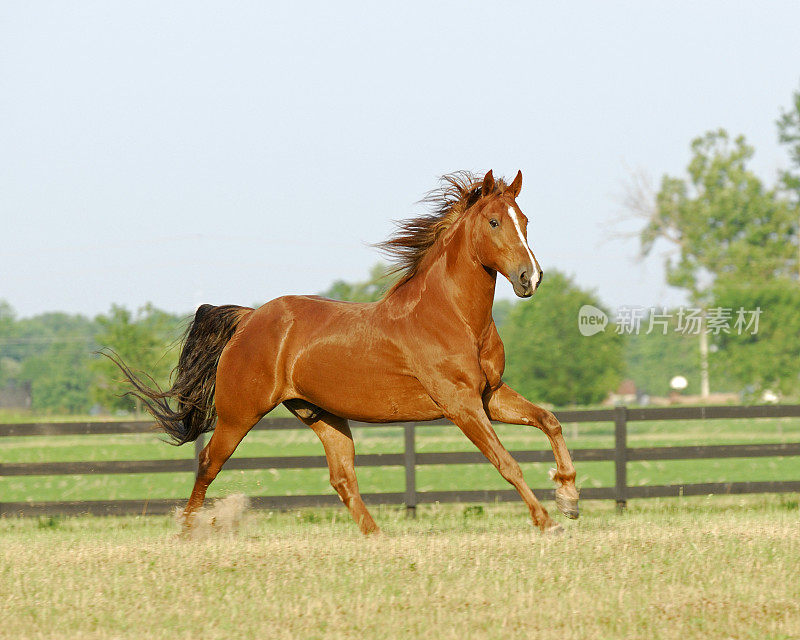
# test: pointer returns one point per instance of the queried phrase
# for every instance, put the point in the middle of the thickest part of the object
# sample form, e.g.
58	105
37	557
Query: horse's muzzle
522	283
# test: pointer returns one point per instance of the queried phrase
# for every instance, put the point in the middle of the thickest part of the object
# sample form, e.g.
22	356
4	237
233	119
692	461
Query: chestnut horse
429	349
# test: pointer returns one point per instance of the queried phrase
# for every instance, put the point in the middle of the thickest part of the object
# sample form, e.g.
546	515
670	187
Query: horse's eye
493	223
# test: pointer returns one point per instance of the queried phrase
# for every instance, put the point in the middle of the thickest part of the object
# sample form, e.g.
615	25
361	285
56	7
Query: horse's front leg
466	410
506	405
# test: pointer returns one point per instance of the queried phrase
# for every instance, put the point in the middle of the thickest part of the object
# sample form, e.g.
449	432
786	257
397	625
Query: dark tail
195	376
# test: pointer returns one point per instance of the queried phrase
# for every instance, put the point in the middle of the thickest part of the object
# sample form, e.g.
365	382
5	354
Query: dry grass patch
721	569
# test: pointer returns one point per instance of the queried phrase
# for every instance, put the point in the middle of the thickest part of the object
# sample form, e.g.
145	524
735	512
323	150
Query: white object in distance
678	383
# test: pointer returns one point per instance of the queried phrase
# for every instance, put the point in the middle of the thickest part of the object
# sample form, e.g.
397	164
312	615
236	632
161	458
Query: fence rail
410	459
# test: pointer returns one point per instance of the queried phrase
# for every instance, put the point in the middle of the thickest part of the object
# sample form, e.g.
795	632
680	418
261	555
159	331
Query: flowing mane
414	237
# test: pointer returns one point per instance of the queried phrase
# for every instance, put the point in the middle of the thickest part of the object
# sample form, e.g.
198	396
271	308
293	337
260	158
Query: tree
9	367
25	338
145	342
371	290
54	353
51	352
723	223
60	377
7	317
789	135
768	358
547	358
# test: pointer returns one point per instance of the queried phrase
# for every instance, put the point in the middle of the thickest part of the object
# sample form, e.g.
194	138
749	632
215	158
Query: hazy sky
233	152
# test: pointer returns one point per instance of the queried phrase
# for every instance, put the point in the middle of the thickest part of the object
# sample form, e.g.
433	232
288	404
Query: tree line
56	354
733	245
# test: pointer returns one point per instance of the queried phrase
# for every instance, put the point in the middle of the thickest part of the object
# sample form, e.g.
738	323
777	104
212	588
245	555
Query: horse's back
302	318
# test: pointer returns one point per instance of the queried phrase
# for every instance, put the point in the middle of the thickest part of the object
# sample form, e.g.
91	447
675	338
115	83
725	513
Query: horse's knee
511	471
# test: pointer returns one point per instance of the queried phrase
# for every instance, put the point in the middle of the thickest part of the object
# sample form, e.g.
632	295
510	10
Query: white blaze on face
513	215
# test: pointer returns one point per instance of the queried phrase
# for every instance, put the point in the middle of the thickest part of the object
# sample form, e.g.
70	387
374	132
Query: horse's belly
363	393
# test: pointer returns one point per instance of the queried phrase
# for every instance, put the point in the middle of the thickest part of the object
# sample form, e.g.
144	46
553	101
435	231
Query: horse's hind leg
334	432
226	437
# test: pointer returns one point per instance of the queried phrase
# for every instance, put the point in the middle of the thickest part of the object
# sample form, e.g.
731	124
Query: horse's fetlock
566	478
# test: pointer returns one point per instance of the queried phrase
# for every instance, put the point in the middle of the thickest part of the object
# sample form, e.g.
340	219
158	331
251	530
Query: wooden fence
620	454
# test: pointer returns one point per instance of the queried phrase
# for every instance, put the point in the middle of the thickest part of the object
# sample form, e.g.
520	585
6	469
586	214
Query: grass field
390	440
685	568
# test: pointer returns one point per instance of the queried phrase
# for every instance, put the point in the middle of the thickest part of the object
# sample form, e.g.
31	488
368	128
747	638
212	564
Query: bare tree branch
637	208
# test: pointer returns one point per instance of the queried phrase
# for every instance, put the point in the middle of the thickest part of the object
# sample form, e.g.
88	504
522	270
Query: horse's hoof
554	530
567	501
568	506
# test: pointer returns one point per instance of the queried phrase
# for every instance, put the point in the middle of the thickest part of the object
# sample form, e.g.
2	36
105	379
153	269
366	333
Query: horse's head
499	235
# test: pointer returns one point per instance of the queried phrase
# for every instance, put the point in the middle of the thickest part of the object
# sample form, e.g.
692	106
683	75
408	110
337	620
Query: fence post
199	445
410	463
621	457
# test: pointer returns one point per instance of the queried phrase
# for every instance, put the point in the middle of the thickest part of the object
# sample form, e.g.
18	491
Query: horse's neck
452	282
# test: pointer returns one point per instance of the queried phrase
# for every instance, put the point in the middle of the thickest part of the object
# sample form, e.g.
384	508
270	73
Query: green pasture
391	479
712	568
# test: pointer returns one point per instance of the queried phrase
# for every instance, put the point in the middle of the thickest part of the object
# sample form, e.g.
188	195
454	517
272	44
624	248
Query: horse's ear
515	187
488	184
